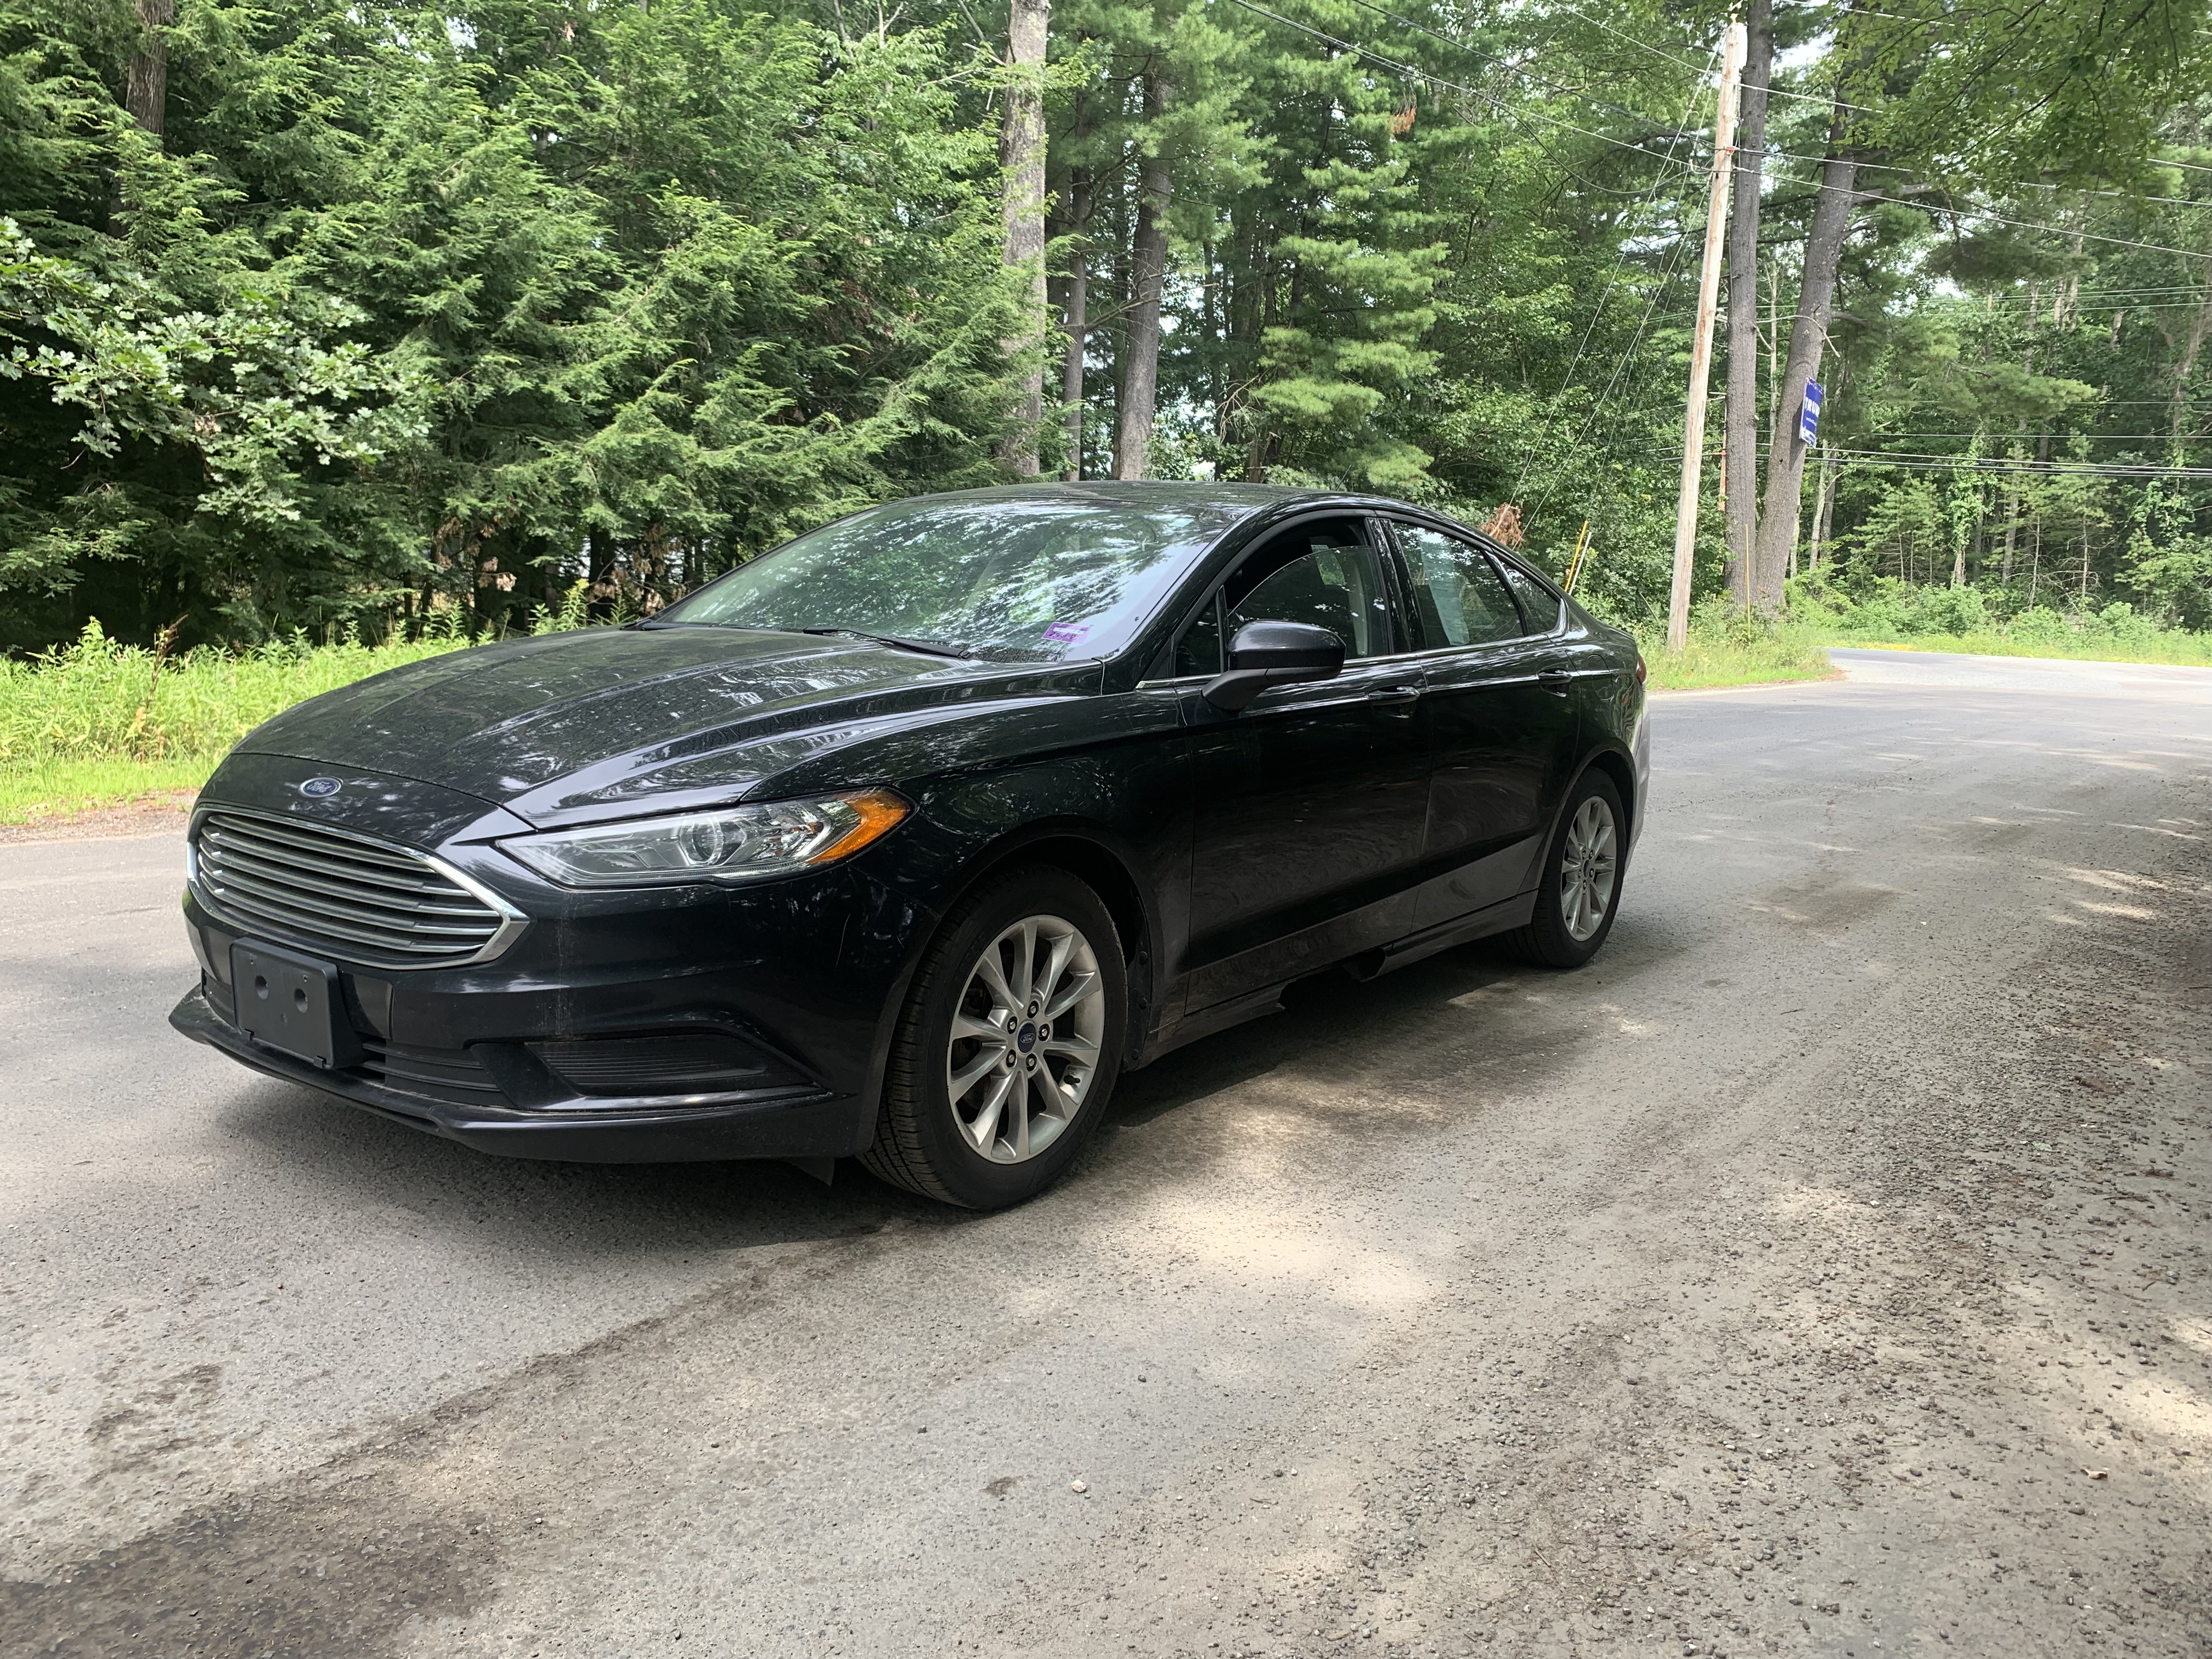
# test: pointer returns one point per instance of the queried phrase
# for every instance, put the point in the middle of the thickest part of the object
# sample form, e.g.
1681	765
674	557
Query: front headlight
730	844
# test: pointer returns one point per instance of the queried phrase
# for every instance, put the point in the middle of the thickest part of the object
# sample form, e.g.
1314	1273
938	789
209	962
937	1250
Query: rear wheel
1580	892
1008	1047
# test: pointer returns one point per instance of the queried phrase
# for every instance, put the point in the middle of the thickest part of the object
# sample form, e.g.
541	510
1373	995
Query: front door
1501	722
1309	803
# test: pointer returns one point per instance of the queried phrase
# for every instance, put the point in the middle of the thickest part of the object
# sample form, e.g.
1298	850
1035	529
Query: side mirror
1265	653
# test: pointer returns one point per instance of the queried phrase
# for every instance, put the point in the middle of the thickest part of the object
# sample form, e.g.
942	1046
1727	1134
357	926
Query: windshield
1027	579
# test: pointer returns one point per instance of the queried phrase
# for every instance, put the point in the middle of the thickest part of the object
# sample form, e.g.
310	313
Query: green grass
2184	650
1725	650
1728	648
1891	614
59	789
98	724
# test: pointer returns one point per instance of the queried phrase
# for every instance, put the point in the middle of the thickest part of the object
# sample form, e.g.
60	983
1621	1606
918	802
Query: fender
1627	761
1139	901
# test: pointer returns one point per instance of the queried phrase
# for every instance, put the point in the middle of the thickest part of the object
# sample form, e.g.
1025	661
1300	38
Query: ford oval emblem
316	789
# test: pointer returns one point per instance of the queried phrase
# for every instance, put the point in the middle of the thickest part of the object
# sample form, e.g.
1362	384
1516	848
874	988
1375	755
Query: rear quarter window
1539	603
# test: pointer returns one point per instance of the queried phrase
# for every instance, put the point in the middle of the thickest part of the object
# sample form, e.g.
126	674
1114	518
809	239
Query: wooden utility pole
1701	353
1740	439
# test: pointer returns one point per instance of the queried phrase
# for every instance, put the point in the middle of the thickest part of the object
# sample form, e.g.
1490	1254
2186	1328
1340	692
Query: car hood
607	722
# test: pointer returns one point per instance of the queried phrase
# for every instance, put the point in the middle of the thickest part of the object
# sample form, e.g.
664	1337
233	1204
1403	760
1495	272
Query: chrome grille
345	896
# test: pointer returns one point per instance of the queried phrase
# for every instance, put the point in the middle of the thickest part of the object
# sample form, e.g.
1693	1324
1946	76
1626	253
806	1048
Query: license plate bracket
292	1004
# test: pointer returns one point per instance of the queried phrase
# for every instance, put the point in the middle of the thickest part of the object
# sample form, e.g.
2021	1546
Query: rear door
1501	721
1310	804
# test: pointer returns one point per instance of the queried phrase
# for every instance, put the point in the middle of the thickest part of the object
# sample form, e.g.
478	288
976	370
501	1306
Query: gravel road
1823	1271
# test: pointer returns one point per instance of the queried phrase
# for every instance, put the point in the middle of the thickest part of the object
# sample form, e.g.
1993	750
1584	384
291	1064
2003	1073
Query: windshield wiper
927	648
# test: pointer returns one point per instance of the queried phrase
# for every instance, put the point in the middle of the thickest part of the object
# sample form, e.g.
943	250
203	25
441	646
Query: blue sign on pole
1808	418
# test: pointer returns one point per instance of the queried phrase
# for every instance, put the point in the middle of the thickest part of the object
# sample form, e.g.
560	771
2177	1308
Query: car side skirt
1499	917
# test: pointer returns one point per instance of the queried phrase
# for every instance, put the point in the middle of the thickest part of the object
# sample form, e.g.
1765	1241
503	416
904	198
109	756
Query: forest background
323	320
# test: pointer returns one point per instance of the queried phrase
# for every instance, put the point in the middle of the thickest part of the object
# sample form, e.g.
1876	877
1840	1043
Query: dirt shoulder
157	815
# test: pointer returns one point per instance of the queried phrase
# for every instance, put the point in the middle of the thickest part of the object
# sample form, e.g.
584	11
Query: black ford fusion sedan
905	840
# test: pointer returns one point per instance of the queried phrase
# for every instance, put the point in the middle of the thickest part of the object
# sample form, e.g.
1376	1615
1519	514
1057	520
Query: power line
2053	437
1620	365
1507	64
1619	263
1981	209
2100	295
1837	103
1668	272
1975	210
2080	303
1684	62
1872	458
1497	104
2052	230
1491	99
1923	463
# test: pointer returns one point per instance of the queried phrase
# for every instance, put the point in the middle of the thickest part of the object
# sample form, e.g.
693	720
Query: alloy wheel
1026	1039
1589	866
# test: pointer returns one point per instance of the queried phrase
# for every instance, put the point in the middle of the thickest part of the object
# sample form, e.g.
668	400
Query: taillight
1639	668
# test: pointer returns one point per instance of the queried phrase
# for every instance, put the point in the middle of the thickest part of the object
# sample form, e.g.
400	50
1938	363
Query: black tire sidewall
967	1176
1554	944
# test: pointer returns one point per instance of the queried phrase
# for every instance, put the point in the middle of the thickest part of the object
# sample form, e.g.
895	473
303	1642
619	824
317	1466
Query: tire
992	1113
1574	870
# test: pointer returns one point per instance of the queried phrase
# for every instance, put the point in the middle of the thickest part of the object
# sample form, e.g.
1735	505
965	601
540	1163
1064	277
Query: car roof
1250	497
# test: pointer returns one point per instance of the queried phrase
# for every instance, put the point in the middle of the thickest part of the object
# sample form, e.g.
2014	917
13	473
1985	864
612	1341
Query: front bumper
800	974
557	1042
791	1124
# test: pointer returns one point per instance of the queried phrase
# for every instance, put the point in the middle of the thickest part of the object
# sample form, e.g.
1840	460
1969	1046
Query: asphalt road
1823	1271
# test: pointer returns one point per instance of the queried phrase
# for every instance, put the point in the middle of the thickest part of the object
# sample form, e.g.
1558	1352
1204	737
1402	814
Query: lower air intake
682	1063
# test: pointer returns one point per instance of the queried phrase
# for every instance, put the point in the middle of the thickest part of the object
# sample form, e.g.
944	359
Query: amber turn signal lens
877	813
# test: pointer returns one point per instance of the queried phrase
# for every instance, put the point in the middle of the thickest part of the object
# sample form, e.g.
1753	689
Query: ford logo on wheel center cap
319	787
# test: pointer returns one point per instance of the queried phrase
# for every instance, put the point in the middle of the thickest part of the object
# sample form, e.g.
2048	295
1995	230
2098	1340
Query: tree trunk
1258	453
2012	533
1148	252
1079	329
1824	506
146	90
2192	345
1021	152
1118	307
1740	436
1809	333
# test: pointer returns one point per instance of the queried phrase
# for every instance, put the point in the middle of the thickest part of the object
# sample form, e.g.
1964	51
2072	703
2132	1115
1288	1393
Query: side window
1199	650
1325	574
1458	592
1538	603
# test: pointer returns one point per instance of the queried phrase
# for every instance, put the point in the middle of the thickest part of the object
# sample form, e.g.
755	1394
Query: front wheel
1580	892
1008	1047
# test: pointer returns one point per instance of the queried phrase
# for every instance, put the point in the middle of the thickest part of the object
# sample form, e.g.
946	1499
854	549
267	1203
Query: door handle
1555	679
1395	694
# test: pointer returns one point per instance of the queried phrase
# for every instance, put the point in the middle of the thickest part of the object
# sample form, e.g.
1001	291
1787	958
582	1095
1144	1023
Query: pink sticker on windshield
1065	633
